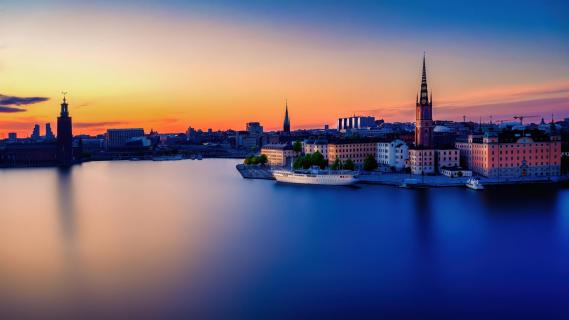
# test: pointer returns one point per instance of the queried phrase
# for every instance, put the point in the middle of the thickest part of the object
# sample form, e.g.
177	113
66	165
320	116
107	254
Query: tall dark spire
424	89
286	124
64	106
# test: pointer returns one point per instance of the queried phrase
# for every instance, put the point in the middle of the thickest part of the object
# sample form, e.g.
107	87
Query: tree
349	165
263	159
370	163
297	146
299	163
317	159
336	165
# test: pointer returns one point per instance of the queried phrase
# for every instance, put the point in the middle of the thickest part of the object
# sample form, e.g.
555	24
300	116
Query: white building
320	145
393	154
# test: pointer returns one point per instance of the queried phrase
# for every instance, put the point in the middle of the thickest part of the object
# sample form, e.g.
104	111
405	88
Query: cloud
17	101
98	124
6	109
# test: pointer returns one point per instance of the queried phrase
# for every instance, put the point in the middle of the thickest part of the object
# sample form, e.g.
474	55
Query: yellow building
351	149
278	155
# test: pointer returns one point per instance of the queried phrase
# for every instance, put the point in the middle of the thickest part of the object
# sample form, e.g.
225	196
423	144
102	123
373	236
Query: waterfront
193	238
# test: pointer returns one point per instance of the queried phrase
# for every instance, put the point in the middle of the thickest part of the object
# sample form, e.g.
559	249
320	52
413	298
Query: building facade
355	122
394	154
118	138
447	158
422	161
355	150
512	154
278	155
319	145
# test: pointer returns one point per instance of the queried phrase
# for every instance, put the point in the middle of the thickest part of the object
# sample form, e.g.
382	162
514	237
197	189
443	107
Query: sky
168	65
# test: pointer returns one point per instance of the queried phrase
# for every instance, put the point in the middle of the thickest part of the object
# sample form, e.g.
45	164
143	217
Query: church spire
424	95
286	124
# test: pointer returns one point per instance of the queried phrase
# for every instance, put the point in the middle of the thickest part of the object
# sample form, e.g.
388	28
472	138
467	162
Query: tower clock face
423	101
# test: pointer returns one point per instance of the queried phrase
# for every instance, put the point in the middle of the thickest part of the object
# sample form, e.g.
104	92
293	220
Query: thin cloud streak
6	109
13	100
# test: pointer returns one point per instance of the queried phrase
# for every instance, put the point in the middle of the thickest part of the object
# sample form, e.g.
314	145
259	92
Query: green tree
336	165
263	159
247	160
349	165
317	159
298	163
297	146
370	163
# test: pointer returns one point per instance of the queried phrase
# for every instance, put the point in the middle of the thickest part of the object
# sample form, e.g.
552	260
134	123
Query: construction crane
521	118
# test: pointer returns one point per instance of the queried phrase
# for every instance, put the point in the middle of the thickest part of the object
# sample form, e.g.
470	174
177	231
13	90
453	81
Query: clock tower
424	115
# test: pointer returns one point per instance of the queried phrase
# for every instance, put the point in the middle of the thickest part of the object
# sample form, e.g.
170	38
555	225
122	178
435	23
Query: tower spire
286	124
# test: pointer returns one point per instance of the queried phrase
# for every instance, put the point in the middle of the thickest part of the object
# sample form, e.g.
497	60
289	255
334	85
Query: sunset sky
169	65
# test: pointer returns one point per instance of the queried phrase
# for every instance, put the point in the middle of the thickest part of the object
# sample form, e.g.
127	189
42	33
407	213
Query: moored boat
474	184
316	176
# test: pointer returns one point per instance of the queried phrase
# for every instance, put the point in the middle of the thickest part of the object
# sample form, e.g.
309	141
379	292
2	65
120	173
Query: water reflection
176	238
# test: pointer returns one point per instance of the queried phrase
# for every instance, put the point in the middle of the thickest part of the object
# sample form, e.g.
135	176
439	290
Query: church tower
286	124
64	136
424	114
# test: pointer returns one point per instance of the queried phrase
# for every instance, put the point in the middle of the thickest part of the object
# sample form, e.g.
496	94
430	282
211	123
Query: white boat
474	184
316	176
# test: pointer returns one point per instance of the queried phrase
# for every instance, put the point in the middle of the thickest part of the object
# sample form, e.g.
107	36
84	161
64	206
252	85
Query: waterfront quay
397	179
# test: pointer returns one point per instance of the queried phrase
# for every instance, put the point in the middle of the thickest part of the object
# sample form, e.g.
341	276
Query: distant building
356	150
118	138
64	136
245	140
28	154
254	128
286	123
356	122
311	146
36	133
12	136
48	133
278	155
394	154
512	154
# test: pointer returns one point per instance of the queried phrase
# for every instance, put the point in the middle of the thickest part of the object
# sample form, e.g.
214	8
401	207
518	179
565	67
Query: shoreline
397	179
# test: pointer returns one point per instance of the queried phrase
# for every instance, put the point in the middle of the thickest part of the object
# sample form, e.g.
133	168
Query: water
191	238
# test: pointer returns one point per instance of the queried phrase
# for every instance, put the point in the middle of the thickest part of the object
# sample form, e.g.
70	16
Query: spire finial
64	93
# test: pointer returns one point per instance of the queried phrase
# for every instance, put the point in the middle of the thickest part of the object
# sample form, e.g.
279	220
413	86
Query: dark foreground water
191	239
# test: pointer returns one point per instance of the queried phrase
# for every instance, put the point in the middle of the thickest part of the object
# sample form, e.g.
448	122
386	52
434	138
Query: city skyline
172	65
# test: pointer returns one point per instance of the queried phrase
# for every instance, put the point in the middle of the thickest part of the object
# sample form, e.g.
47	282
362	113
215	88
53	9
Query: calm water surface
191	238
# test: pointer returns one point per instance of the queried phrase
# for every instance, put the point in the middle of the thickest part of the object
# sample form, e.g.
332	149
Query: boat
316	176
474	184
409	183
168	158
199	156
